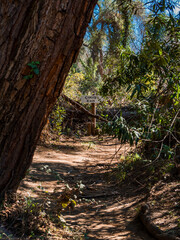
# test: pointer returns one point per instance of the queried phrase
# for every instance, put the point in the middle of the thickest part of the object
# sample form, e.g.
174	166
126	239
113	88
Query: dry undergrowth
29	219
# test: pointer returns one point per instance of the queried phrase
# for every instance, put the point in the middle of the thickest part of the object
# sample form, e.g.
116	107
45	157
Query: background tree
151	77
39	41
132	49
107	32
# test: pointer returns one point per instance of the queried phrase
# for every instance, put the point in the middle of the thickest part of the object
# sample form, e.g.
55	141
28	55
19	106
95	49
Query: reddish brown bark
50	32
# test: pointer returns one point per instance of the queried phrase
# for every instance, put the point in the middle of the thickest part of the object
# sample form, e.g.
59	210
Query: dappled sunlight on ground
104	210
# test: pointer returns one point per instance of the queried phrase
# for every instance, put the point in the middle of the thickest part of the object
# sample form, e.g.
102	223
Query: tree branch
81	108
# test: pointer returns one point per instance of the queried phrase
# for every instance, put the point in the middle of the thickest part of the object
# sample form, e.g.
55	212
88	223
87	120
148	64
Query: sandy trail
108	210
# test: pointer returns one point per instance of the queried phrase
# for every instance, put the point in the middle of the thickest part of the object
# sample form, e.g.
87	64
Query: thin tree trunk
51	33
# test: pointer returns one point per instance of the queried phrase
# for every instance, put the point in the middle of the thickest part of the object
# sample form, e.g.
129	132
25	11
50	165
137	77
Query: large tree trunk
50	32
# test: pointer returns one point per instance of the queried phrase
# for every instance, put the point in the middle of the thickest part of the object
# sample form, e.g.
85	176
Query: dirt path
105	210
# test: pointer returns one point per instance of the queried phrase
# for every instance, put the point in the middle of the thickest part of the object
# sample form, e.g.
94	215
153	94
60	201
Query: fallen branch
101	195
151	227
81	108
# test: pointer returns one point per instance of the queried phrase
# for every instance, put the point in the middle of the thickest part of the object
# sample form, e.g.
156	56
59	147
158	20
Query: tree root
151	227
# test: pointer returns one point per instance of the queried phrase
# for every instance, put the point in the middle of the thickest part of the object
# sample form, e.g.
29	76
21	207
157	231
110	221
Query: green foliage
73	83
168	167
58	115
25	218
157	61
34	70
27	77
119	129
92	79
110	28
147	77
126	165
144	171
151	77
6	236
34	66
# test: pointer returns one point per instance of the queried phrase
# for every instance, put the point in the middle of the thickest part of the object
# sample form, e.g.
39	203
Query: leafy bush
152	79
57	116
120	129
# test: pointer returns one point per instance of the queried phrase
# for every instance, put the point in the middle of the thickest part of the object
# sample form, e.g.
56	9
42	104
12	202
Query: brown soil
105	210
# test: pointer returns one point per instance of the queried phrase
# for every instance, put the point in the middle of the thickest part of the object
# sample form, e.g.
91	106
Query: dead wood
81	108
151	227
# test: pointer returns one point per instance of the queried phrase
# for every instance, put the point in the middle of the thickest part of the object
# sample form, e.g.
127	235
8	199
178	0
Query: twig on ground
100	195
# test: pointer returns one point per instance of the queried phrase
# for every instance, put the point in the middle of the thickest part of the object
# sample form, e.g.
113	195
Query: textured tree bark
50	32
